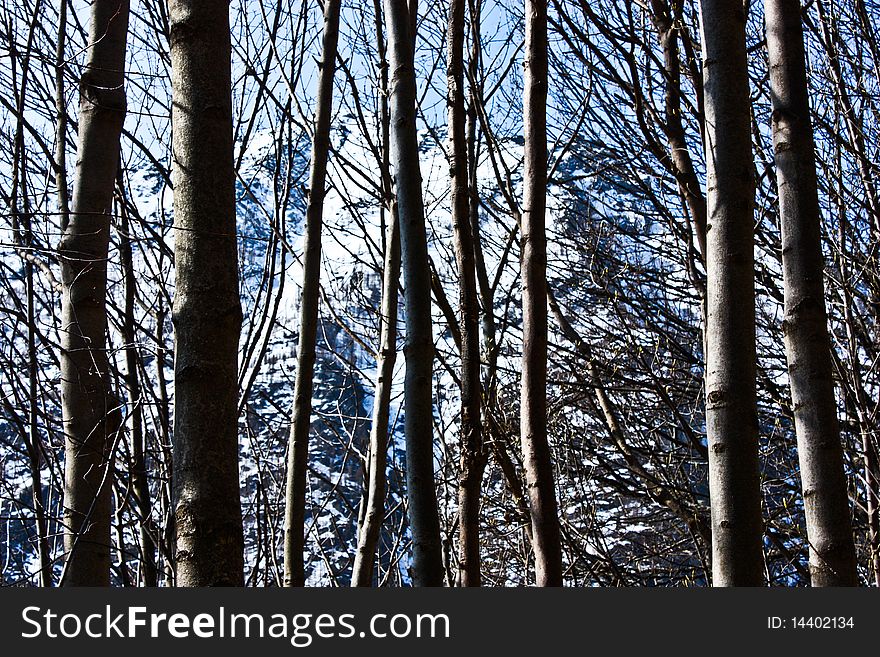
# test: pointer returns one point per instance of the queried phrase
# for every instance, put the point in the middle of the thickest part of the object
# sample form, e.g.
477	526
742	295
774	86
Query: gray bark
731	406
207	310
807	345
533	404
87	405
427	568
298	451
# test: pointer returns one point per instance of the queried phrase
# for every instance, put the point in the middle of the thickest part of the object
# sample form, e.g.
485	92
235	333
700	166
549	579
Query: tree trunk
368	536
374	505
298	452
472	457
87	405
666	15
427	568
731	406
140	483
533	404
807	345
207	310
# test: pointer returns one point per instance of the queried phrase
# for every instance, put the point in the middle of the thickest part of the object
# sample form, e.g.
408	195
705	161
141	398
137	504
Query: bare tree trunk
87	405
368	536
427	568
666	15
533	405
374	509
61	119
808	348
298	452
207	309
472	458
731	405
140	483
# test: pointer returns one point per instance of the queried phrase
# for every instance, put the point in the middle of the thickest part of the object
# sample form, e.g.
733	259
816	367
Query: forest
394	293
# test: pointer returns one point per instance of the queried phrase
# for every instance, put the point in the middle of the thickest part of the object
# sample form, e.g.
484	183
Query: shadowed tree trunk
207	310
427	568
807	345
298	452
472	460
90	419
533	404
731	406
139	481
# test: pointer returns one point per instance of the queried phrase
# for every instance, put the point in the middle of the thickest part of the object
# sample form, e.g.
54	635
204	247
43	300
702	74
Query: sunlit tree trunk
807	345
731	406
207	309
427	568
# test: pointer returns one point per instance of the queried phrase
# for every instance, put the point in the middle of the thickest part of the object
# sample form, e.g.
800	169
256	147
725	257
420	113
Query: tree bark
533	404
87	405
298	452
805	327
427	567
472	459
731	405
207	309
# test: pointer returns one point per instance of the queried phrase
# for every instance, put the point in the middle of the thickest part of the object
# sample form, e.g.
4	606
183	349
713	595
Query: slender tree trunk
853	126
368	536
472	456
533	404
731	405
23	237
85	395
298	452
666	15
374	505
427	568
807	345
140	483
207	309
61	119
163	438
